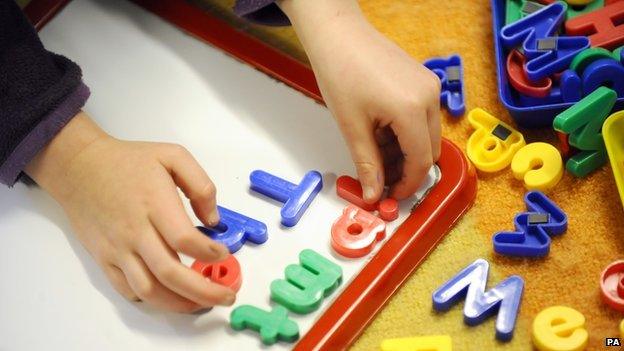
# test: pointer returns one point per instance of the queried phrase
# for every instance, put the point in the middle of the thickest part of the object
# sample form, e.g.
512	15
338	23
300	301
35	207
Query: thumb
367	158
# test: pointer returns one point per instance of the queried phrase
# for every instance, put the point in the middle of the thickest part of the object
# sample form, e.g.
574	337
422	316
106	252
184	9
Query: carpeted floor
568	275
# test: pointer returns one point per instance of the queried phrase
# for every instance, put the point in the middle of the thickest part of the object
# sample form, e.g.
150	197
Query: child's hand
121	198
386	104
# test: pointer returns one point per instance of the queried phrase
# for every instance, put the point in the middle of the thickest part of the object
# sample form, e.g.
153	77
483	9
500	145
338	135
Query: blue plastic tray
525	116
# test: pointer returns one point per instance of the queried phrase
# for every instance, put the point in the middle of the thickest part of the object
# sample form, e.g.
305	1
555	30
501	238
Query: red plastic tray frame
345	319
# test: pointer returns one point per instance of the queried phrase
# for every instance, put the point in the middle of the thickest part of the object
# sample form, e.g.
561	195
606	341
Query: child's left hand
386	104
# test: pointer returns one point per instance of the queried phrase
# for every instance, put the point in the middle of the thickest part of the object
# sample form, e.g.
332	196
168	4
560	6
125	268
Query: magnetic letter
306	283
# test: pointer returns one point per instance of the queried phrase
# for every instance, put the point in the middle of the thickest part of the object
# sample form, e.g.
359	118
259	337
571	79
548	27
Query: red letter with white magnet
226	272
356	232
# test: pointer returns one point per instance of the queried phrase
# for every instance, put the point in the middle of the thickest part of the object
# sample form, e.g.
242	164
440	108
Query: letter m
480	304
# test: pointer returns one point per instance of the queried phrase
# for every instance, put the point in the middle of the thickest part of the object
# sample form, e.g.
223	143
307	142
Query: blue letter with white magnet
480	304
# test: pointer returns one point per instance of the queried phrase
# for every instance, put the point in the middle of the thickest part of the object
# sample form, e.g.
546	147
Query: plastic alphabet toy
577	9
560	328
539	165
350	189
356	231
564	144
612	285
583	122
533	228
604	72
587	56
519	80
307	283
235	229
272	326
592	68
546	53
517	9
480	304
493	144
419	343
450	70
603	26
613	134
226	272
296	198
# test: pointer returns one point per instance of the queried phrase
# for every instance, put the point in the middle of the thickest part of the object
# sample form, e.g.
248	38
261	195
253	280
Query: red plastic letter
226	272
356	232
389	209
604	27
350	189
612	285
519	80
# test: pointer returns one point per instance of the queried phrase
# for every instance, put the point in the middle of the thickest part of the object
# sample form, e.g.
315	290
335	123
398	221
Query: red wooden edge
239	44
40	12
345	319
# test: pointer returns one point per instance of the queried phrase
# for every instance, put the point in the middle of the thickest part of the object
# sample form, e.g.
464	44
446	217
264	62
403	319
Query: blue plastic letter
470	283
451	73
604	72
540	28
296	198
234	229
533	228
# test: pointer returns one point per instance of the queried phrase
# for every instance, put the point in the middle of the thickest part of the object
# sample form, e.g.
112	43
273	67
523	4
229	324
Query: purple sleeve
39	92
262	12
41	134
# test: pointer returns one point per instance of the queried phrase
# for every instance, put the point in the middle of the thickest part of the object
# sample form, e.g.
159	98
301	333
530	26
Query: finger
194	183
435	130
367	159
414	140
179	278
169	218
119	282
150	290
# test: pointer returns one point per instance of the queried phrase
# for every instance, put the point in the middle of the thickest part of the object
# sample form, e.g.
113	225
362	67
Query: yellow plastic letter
493	143
560	328
613	134
539	165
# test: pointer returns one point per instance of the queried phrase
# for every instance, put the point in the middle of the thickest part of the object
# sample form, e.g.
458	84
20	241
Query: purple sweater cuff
261	11
39	137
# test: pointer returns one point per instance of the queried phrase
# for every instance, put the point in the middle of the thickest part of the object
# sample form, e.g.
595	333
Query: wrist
319	22
49	167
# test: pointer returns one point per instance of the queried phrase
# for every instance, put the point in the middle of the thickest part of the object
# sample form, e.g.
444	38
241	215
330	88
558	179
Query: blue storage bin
525	116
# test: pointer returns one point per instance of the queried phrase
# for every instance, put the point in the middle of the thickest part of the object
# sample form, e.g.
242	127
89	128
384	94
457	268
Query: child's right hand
121	198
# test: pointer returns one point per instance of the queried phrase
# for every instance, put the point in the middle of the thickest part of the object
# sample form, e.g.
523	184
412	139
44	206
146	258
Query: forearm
318	22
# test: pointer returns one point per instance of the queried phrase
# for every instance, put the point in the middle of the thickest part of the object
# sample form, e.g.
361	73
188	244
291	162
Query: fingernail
230	299
202	311
369	192
213	218
219	251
